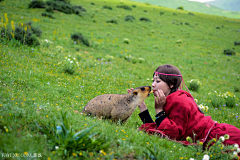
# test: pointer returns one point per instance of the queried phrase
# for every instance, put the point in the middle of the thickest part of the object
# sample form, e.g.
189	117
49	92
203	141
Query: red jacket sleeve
176	123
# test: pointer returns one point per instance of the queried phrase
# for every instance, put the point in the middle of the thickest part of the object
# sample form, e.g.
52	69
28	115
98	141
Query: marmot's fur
118	107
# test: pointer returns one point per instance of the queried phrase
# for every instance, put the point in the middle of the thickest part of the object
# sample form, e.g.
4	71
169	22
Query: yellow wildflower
104	153
5	15
13	27
74	154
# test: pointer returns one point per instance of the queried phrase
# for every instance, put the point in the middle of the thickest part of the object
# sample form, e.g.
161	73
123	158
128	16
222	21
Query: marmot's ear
135	93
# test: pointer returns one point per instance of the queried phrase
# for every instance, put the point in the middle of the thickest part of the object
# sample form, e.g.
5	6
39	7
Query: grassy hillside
38	83
198	7
229	5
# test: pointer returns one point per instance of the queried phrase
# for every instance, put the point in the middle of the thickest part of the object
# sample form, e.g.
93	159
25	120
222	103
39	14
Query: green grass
34	86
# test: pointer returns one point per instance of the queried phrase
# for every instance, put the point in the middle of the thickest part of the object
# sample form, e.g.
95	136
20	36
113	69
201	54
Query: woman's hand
160	100
142	106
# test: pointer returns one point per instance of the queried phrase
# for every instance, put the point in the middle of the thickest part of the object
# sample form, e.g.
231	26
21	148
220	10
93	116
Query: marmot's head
140	93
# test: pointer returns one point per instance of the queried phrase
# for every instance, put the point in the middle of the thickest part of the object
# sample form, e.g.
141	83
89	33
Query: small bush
36	30
125	7
194	84
107	7
25	34
112	21
59	5
63	140
229	99
219	99
134	6
49	9
141	60
79	38
236	89
45	14
36	4
229	52
126	40
180	8
161	13
145	19
236	43
129	18
191	14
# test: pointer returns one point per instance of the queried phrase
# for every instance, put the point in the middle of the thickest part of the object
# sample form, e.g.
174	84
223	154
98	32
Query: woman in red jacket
177	114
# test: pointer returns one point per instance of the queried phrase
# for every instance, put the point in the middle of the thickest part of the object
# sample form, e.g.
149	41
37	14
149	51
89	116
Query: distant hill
228	5
197	7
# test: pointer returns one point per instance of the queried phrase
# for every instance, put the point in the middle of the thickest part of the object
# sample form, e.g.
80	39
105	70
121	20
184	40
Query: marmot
118	107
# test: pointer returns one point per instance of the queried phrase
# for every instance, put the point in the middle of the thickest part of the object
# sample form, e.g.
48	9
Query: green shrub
161	13
214	148
124	7
191	14
62	139
145	19
36	4
112	21
79	38
49	9
25	34
229	52
45	14
236	43
194	84
154	153
126	40
59	5
180	8
225	99
36	29
107	7
65	1
229	99
129	18
236	89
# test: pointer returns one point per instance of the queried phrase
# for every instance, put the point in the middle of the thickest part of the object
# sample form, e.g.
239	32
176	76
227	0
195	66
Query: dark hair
170	80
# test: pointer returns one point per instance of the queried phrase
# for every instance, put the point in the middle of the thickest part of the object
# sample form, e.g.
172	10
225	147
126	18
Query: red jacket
183	119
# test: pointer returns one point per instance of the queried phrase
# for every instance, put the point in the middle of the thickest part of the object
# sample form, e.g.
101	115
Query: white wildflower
222	139
236	146
238	150
206	157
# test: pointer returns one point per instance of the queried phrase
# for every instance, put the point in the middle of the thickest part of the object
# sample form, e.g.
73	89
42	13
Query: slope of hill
194	6
107	46
228	5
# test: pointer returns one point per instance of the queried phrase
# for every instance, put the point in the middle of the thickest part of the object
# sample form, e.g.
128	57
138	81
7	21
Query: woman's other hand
160	100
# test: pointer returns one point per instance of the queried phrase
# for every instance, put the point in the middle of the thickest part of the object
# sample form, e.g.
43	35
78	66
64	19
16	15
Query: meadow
55	80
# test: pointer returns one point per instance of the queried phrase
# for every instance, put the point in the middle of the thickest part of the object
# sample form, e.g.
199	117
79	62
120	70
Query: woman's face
161	85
